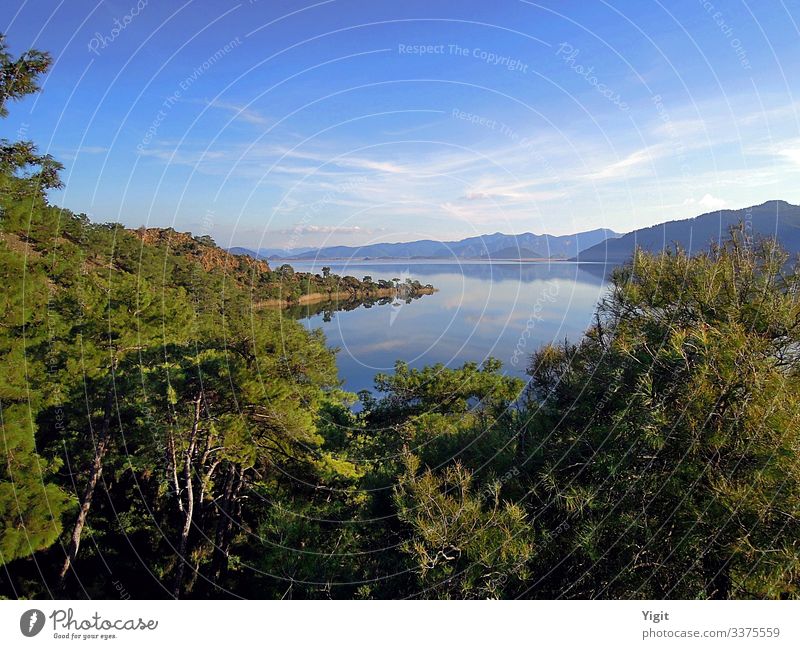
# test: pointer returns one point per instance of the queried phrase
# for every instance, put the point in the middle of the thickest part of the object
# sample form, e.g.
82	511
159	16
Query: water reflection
481	309
327	309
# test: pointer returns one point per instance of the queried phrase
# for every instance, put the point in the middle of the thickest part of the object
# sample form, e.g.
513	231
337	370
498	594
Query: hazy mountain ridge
266	253
488	246
774	218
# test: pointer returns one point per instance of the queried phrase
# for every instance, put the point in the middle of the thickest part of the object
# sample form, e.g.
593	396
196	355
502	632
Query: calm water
482	309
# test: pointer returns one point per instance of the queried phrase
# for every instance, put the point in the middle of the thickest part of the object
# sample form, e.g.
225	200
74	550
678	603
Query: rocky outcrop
202	249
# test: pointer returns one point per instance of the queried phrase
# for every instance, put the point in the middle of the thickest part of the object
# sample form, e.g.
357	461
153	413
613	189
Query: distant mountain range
274	253
488	246
771	219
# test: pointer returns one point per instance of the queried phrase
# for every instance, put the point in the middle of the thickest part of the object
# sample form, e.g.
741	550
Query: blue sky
301	123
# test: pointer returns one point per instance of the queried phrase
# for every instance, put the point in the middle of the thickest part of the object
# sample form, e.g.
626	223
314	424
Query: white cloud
708	202
791	153
325	229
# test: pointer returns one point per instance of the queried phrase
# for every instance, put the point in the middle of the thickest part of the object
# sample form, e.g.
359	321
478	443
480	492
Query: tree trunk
718	581
95	474
188	508
172	463
184	541
227	514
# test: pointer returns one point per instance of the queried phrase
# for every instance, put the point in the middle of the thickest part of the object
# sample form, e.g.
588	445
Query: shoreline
344	296
411	260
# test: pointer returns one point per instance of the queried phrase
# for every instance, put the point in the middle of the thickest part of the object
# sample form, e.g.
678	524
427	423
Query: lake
500	309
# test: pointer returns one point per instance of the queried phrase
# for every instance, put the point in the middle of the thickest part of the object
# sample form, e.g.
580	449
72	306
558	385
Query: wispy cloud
638	163
699	157
93	149
240	112
494	189
84	150
327	229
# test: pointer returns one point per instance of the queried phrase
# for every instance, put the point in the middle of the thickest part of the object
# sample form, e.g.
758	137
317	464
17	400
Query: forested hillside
281	287
777	219
161	437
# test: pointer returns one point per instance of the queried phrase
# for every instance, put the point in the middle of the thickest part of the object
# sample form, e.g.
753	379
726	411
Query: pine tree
666	462
31	504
